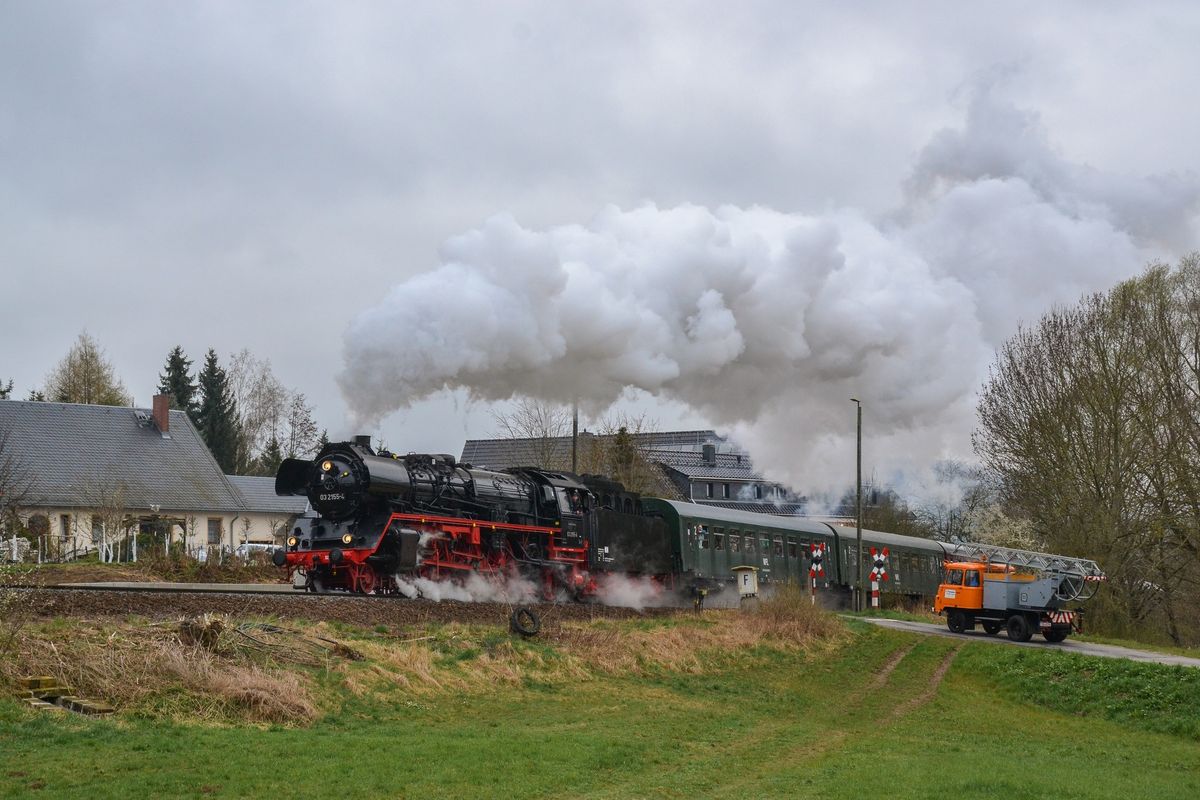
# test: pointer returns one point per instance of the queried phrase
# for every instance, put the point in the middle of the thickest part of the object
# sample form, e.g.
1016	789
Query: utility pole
575	437
858	514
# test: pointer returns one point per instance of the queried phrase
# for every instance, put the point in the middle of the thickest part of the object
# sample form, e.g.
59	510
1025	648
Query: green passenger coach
707	542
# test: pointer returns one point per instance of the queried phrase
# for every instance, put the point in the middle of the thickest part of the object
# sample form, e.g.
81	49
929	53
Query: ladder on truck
1079	578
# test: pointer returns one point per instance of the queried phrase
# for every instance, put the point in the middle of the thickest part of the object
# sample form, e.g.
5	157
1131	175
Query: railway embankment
783	701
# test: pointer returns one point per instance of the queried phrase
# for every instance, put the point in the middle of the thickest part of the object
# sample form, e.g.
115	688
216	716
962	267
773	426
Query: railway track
173	601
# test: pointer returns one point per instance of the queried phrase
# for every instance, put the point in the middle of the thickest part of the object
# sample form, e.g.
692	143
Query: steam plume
766	322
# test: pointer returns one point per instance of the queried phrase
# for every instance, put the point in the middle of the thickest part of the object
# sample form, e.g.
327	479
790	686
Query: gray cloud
255	174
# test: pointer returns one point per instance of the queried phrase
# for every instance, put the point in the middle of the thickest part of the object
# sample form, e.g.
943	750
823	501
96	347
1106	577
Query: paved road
1070	645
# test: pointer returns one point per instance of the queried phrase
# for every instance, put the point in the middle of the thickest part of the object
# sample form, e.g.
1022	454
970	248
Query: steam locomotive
381	518
382	514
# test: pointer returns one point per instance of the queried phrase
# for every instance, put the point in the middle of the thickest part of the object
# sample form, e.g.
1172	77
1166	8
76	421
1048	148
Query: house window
39	525
97	530
64	526
758	491
725	490
214	531
708	489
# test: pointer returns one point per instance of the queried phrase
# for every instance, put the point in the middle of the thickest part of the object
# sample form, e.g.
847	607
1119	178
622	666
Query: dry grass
469	659
147	669
220	670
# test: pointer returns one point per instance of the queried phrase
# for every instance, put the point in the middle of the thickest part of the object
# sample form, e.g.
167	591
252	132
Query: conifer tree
6	389
271	458
216	417
176	381
86	376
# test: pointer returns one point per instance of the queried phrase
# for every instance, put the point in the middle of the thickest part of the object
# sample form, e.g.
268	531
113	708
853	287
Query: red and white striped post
816	568
878	573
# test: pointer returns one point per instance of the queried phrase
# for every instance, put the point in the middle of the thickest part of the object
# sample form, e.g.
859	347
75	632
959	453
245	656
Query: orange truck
1019	591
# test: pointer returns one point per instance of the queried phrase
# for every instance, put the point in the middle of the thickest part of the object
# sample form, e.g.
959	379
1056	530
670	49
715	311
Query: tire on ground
991	627
1054	634
525	622
954	621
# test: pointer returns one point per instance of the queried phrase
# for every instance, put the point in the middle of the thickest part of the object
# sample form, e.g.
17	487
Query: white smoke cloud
638	593
474	588
767	322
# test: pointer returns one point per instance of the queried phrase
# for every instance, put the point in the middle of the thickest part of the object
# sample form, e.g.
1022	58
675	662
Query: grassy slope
770	725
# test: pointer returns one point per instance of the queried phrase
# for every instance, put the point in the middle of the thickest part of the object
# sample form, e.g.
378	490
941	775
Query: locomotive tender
382	515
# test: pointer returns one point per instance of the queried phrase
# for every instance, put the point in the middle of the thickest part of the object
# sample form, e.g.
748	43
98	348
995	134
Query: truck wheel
991	627
954	621
1054	635
1018	628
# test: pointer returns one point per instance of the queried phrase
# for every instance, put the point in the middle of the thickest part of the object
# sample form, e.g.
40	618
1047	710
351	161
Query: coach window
791	547
718	541
766	546
735	543
748	543
778	545
702	532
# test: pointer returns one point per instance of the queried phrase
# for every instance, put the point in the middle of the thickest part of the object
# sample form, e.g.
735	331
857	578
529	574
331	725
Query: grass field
669	708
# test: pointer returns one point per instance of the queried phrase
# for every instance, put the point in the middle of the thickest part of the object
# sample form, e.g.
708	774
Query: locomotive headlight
347	538
326	465
291	541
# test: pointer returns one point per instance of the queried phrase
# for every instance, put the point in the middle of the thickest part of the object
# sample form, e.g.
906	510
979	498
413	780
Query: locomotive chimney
160	412
363	440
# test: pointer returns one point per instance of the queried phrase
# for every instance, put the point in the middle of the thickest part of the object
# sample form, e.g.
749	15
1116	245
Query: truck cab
961	588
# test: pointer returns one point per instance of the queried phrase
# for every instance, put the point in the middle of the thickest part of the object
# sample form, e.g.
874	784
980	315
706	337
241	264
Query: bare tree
300	431
16	484
261	401
618	451
541	427
1091	419
269	413
110	518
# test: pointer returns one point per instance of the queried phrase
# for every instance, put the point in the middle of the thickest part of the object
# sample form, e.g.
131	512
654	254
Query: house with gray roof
89	477
699	466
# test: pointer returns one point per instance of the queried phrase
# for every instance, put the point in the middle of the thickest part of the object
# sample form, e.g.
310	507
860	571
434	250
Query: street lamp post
858	514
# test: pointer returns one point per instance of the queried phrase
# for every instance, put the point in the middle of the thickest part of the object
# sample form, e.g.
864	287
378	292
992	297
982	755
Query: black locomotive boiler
382	514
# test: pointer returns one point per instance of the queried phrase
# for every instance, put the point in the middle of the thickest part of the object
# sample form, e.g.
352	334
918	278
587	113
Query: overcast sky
261	174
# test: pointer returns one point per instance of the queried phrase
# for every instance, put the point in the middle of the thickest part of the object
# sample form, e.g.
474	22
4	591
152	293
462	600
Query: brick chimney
161	413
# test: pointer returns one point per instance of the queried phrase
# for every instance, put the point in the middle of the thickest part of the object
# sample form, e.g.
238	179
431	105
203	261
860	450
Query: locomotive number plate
334	496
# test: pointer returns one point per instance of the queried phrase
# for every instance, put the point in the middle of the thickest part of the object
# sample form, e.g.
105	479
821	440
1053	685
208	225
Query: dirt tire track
935	681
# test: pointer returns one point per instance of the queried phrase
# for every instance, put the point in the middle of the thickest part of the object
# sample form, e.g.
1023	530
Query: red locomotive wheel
366	581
